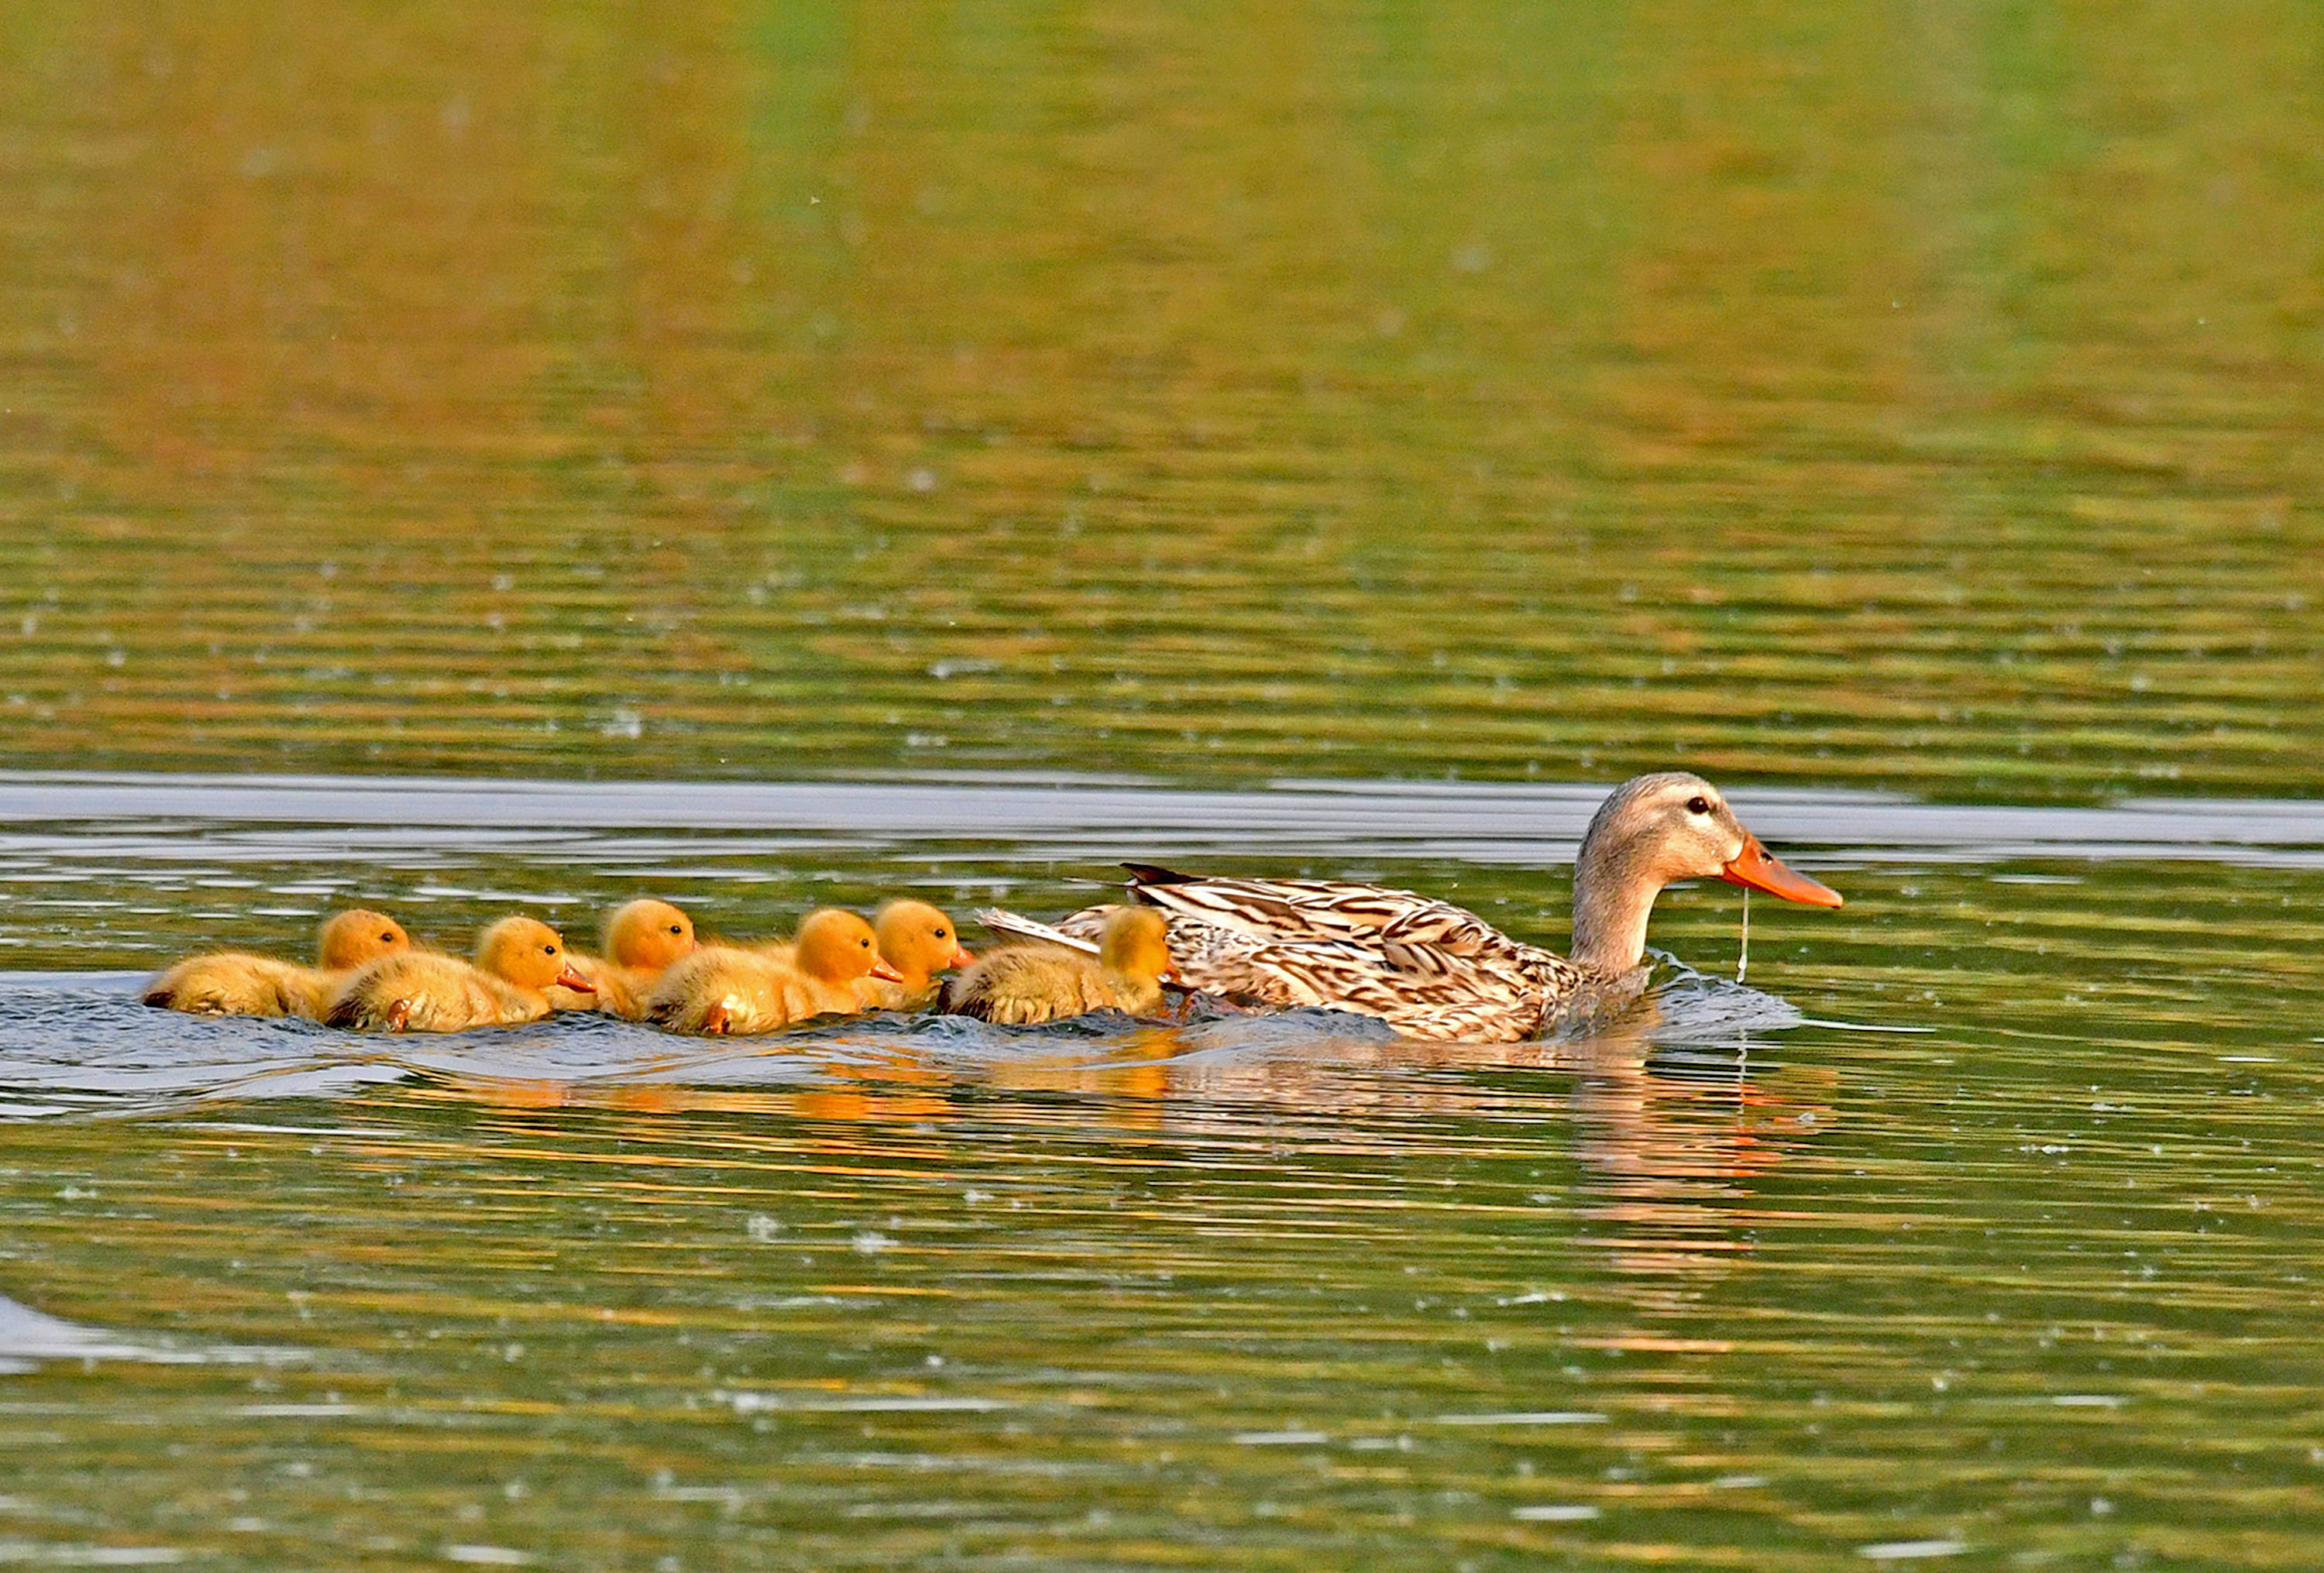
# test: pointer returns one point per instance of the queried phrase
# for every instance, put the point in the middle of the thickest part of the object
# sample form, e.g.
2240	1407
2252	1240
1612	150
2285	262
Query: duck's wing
1443	997
1410	932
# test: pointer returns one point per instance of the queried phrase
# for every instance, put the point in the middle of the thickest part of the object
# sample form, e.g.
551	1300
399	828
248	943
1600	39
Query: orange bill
882	970
571	978
1756	867
959	958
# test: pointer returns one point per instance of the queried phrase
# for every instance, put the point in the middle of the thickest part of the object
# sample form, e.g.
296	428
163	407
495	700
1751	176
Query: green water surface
1917	398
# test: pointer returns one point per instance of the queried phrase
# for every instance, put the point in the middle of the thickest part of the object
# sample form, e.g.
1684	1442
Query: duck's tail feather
1155	874
1001	921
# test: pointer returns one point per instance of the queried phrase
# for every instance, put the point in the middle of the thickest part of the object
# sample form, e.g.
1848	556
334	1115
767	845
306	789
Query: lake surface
1980	1225
456	458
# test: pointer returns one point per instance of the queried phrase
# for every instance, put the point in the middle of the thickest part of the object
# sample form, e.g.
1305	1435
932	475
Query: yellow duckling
919	942
518	959
726	990
643	938
1022	985
238	983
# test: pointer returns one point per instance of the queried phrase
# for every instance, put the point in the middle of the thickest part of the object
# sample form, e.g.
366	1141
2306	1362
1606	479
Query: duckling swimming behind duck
1023	984
239	983
517	958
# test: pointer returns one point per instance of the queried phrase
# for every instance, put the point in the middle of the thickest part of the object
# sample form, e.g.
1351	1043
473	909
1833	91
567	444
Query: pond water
460	457
1981	1224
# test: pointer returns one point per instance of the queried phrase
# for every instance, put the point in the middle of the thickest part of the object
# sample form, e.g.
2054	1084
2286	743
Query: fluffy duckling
349	939
238	983
725	991
518	959
1022	985
643	938
919	942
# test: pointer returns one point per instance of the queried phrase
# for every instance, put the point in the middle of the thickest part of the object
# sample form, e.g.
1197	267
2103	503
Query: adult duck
1431	969
240	983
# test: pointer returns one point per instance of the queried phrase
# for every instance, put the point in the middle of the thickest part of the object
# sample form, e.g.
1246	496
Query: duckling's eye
548	949
942	935
673	928
1698	806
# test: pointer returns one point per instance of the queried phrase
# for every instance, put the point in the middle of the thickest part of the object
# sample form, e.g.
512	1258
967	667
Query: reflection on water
803	388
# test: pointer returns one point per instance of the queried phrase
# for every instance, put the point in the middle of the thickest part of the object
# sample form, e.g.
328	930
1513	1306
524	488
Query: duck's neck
1613	892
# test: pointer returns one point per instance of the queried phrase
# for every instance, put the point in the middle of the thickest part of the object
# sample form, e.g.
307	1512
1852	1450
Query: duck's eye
1698	806
942	935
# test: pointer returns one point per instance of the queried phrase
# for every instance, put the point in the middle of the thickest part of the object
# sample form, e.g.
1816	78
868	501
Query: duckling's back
1026	985
237	983
417	991
882	994
720	990
620	991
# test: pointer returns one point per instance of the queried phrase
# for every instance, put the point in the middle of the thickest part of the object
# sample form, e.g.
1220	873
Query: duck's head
1655	830
1136	941
837	946
648	935
916	940
350	938
530	954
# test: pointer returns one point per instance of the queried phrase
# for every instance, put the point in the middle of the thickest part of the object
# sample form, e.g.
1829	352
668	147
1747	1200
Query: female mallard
1025	984
1431	969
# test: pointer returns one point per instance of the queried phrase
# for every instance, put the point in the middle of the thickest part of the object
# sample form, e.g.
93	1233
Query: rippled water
769	454
1987	1233
1920	399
